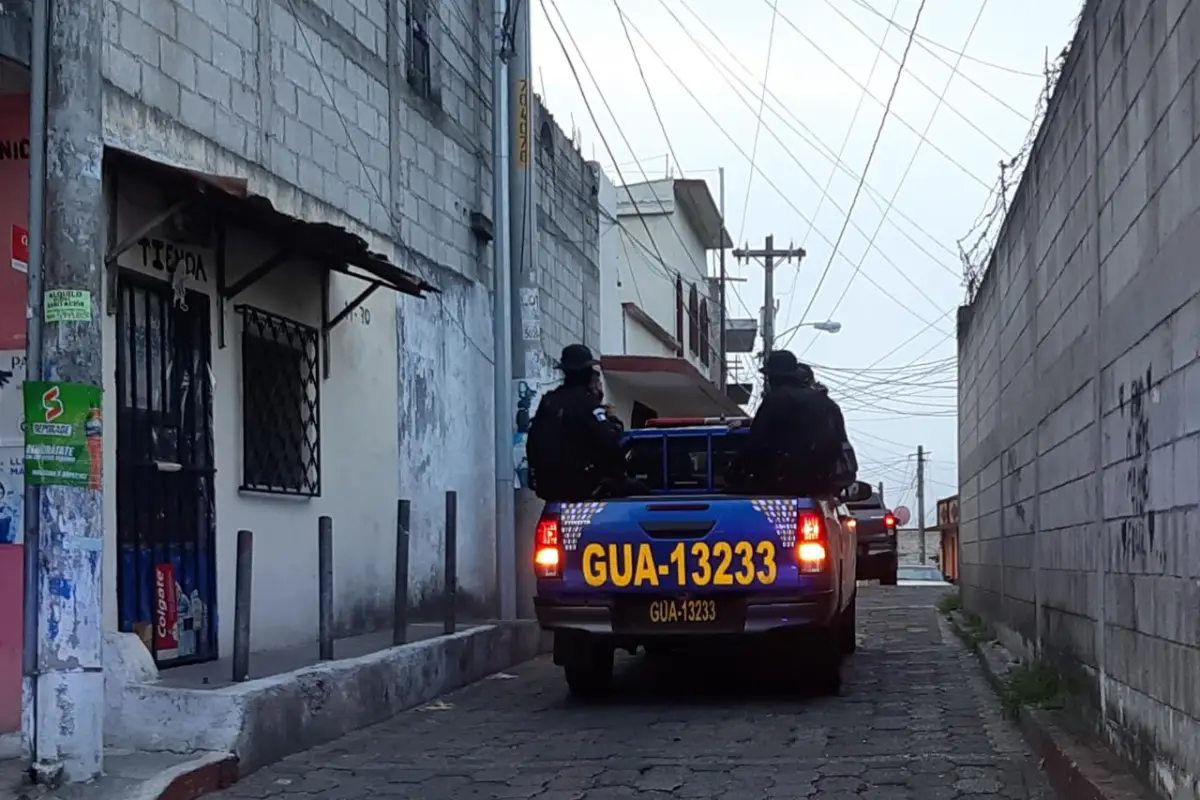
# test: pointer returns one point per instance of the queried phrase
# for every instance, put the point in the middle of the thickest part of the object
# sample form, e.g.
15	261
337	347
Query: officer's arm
833	431
602	431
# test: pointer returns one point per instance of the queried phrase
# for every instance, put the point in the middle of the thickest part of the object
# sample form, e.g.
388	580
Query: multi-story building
660	329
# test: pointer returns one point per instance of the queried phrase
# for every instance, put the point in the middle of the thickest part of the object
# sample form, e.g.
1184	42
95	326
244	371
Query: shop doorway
166	510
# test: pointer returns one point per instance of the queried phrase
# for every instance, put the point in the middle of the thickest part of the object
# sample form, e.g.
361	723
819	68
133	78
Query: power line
762	102
862	98
870	94
870	157
800	128
960	57
926	40
783	195
661	124
604	140
907	170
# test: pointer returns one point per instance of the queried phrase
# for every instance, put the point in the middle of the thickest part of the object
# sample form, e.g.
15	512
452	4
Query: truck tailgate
682	545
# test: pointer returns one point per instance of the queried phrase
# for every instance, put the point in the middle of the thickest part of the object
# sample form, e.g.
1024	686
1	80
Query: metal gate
166	512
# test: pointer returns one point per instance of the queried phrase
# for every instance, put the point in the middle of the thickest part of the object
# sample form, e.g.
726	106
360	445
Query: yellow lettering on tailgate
724	555
746	566
620	564
702	576
646	572
595	571
766	551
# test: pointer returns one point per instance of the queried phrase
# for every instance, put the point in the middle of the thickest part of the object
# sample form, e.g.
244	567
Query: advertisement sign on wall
64	436
14	218
12	445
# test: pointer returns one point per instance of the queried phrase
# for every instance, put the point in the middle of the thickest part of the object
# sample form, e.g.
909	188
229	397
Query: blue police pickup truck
690	563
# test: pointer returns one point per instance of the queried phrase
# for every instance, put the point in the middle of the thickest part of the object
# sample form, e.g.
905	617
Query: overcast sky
821	56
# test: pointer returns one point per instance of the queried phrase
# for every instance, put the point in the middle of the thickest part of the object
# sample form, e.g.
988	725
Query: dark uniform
574	444
797	443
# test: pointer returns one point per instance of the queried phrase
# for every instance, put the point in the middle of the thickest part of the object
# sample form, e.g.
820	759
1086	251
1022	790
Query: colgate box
166	613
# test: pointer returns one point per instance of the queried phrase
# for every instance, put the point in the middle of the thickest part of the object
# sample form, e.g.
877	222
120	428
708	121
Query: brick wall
568	246
1079	437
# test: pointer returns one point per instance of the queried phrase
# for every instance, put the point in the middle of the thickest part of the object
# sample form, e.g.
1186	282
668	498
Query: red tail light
890	521
547	548
811	554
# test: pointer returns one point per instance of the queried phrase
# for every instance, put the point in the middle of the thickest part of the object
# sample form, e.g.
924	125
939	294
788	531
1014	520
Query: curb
192	779
1077	769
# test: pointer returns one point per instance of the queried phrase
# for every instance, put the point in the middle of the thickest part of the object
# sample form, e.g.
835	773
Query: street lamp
827	326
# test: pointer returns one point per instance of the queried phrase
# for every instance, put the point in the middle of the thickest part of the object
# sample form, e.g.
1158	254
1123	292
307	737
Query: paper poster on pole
67	305
12	494
12	404
64	436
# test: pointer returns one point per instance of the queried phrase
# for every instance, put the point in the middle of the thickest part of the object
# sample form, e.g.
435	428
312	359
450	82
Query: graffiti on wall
527	393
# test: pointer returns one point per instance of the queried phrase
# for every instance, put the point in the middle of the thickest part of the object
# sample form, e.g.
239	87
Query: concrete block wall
1079	425
568	246
312	102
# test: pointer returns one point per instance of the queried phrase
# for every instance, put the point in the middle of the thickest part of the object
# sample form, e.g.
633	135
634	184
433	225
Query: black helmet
783	364
577	358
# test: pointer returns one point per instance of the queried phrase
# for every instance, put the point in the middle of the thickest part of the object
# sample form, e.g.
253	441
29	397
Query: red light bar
687	422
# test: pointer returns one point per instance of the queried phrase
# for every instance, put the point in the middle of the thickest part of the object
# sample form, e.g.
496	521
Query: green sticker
67	305
64	435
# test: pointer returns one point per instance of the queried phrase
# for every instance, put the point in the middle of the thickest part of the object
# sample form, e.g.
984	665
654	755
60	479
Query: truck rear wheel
889	576
848	626
588	667
827	661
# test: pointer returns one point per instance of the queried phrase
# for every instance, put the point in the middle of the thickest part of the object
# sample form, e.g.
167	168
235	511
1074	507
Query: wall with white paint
656	251
358	414
611	267
309	101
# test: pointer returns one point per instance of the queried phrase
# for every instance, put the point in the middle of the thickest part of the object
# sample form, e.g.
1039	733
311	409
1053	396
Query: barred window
281	402
679	314
693	320
420	48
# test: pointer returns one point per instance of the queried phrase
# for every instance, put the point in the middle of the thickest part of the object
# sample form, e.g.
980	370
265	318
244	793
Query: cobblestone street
914	720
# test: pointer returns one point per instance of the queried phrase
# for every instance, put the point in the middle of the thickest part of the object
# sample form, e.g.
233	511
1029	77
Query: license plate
684	564
682	611
659	614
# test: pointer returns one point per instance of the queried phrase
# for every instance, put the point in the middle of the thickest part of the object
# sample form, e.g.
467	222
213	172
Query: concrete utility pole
66	706
881	491
768	254
527	355
921	498
506	550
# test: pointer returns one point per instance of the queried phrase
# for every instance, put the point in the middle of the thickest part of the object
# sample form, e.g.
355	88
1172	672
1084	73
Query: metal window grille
281	403
420	61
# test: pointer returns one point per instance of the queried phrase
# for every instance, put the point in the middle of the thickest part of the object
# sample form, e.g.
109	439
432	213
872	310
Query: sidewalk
1078	766
132	776
192	730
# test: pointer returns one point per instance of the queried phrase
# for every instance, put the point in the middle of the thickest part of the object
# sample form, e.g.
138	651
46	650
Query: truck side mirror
857	492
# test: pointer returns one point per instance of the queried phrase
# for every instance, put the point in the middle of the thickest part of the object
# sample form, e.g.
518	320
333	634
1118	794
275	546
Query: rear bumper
763	613
876	559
